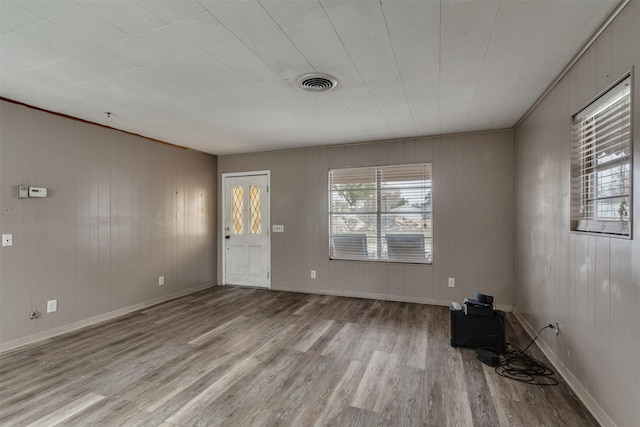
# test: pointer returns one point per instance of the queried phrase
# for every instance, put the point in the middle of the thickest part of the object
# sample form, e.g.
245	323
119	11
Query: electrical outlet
278	228
313	274
52	306
452	282
557	328
160	280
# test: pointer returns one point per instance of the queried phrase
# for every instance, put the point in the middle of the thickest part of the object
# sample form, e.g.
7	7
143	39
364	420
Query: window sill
604	228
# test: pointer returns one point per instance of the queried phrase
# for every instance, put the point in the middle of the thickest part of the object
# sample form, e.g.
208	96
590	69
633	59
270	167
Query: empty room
319	213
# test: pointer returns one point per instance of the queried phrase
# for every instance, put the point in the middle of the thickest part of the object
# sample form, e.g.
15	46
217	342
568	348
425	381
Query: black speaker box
468	330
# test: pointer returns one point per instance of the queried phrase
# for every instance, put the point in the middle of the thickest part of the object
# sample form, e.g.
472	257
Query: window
256	210
237	205
381	213
601	172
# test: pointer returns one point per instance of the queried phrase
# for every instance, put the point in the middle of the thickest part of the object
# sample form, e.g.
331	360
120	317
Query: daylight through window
601	172
381	213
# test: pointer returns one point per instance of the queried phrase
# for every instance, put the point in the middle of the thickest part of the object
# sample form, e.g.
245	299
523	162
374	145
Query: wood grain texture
232	356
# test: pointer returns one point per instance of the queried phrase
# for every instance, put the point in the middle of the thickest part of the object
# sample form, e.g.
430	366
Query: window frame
377	188
588	193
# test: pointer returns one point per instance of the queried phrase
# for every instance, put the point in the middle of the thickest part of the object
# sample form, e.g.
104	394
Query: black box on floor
468	330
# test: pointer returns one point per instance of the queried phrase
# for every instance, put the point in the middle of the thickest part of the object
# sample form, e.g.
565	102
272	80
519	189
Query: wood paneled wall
589	284
122	211
473	218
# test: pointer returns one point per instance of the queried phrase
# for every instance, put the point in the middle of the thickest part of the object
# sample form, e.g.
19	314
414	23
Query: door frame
224	219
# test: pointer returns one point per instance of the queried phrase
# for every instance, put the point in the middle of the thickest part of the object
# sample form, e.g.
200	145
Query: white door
247	249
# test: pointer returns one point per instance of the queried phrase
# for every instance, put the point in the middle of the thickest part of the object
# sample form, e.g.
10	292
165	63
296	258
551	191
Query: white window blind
381	213
601	172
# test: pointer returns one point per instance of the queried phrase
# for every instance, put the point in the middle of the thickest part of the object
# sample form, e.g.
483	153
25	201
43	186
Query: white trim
376	296
583	394
10	345
222	231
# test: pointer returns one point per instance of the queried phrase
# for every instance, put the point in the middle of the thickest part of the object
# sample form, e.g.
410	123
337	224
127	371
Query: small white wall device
37	192
25	192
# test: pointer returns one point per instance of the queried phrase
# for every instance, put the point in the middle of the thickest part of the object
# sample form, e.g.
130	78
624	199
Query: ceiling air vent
317	82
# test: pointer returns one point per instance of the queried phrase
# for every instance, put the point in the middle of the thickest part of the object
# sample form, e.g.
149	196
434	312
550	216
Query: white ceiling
219	75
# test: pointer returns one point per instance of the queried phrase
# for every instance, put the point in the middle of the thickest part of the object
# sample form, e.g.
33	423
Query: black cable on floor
518	365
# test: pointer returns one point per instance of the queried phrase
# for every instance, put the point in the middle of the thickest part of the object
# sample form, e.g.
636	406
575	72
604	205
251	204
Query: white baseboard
583	394
10	345
384	297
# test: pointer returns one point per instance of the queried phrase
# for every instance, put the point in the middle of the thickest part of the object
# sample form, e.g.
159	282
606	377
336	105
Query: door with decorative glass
246	230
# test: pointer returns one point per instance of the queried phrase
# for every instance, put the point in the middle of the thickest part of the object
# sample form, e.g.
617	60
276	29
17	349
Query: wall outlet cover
52	306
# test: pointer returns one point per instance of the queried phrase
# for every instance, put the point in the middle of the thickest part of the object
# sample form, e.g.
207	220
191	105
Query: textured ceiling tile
169	42
294	13
170	11
247	20
13	16
321	46
205	31
56	37
129	16
20	53
46	8
85	24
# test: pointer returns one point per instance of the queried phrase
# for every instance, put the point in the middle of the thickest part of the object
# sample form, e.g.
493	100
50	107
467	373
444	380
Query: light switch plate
7	240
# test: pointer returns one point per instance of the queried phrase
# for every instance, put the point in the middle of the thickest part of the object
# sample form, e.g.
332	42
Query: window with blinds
601	172
381	213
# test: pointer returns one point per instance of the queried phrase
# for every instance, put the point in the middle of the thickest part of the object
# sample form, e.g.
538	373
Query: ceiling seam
484	59
245	45
395	58
357	71
288	38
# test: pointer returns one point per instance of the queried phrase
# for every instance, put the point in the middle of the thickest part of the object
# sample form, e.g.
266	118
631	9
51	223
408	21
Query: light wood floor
246	357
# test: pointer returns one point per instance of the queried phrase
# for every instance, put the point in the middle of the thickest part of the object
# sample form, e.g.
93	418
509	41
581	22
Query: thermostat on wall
37	192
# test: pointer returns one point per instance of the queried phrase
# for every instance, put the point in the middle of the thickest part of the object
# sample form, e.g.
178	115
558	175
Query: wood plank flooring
233	356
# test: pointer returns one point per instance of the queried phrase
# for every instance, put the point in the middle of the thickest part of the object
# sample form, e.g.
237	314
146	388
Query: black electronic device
473	306
469	330
484	299
489	356
478	310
